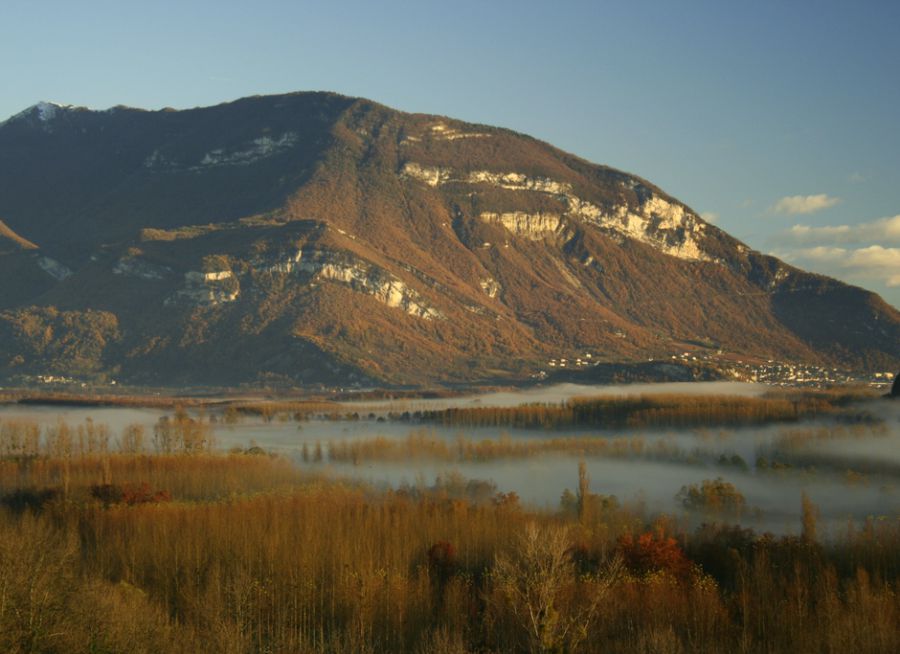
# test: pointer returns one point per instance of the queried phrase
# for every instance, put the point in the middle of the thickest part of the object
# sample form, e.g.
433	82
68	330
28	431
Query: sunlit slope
318	238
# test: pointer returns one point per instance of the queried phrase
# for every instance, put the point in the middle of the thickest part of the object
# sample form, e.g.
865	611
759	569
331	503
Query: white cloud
710	216
877	262
867	254
874	262
797	204
819	253
876	256
885	230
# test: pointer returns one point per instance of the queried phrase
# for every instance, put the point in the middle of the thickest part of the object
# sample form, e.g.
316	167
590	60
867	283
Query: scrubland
157	541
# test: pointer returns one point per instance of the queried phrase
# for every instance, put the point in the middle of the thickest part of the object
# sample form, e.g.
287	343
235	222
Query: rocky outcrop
54	268
531	226
490	287
207	288
362	277
134	266
256	150
666	226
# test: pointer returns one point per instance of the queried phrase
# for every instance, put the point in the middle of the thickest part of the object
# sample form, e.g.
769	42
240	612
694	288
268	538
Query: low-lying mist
847	463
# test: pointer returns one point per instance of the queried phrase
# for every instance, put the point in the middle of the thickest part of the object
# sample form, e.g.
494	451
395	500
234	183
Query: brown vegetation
104	550
645	411
340	190
420	444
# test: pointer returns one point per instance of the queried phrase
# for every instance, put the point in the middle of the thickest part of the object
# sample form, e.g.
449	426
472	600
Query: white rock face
54	268
358	275
442	132
490	286
285	264
203	277
518	182
135	267
666	226
431	175
260	148
207	288
533	226
364	278
252	152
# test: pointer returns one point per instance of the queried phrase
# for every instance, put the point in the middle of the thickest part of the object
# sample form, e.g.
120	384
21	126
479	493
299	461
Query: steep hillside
317	238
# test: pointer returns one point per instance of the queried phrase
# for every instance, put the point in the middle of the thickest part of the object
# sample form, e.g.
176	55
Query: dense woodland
140	542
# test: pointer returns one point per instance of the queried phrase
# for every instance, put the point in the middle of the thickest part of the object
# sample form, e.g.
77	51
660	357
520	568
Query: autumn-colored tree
649	553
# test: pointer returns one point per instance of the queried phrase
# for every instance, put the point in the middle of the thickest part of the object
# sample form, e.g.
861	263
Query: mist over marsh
848	463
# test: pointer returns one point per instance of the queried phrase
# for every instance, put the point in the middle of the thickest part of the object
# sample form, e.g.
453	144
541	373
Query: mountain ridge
317	237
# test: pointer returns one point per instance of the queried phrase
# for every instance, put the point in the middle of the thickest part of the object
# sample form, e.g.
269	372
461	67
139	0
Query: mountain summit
314	237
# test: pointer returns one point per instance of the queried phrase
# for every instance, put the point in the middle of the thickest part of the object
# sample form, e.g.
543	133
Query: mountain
317	238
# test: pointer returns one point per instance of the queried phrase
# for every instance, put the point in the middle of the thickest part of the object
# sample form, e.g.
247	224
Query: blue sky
777	120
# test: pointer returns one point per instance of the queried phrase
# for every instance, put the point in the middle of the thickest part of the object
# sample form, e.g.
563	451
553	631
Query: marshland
673	518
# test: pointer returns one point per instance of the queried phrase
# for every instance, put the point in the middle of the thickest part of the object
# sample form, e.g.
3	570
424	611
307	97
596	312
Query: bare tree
539	586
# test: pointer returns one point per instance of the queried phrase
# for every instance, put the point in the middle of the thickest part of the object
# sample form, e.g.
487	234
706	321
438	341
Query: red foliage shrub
144	495
649	553
130	495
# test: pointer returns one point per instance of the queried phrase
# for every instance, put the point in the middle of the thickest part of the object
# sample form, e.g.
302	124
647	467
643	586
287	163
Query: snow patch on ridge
44	112
47	111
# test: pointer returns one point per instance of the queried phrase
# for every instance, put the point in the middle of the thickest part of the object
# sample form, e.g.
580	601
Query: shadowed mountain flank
315	238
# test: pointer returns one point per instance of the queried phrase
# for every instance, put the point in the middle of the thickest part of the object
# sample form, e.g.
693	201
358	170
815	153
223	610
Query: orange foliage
649	553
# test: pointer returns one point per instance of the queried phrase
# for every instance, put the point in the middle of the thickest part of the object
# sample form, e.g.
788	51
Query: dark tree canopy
895	389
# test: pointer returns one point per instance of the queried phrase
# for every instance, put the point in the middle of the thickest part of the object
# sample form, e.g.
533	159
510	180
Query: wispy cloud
856	178
710	217
874	262
877	261
865	253
801	204
883	231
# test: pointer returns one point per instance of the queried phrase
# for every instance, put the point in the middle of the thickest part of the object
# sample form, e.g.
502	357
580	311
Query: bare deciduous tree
539	586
